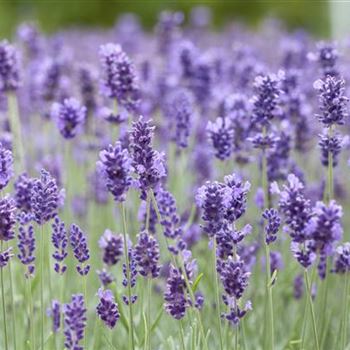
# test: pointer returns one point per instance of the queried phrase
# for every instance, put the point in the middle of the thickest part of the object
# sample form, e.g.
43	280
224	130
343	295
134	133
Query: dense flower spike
81	252
74	322
327	56
69	116
148	163
9	75
265	100
272	226
59	240
7	219
147	255
105	277
5	257
44	198
298	287
332	100
26	247
131	281
6	166
119	78
221	134
175	295
55	313
112	247
115	165
107	309
330	145
342	260
23	192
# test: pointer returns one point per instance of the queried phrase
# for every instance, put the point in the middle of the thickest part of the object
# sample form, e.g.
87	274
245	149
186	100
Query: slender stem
346	308
12	301
149	326
84	280
31	313
126	252
15	125
217	295
330	171
311	304
3	303
236	337
306	307
42	286
182	336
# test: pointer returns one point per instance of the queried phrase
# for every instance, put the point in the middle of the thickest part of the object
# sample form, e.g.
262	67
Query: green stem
126	252
149	290
346	308
84	280
42	311
217	295
3	302
182	336
311	304
31	313
330	171
269	295
15	126
236	333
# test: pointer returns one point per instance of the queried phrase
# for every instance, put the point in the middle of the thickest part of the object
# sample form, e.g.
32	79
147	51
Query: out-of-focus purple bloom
304	253
131	279
5	257
55	313
147	255
330	145
69	116
327	56
105	277
115	165
264	142
23	192
44	198
148	163
59	240
112	247
294	206
81	252
87	78
98	190
6	166
265	100
7	219
298	287
332	101
175	295
142	216
26	247
221	136
9	69
276	261
107	309
119	78
273	224
29	34
74	322
259	198
180	110
342	258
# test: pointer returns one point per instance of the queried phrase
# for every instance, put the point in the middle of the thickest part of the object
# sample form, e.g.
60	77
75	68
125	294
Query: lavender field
174	189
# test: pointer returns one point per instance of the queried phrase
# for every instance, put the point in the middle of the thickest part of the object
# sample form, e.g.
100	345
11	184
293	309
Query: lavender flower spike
55	313
69	116
26	247
81	252
5	257
74	322
112	247
115	167
59	240
273	224
7	219
9	76
107	309
6	166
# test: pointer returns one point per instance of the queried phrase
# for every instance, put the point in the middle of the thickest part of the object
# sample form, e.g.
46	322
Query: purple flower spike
330	145
272	226
148	163
147	255
115	167
6	166
175	295
332	101
105	277
342	259
298	287
221	137
74	322
69	116
5	257
26	247
55	313
59	240
7	219
107	309
112	247
132	278
44	198
119	78
23	192
9	77
80	249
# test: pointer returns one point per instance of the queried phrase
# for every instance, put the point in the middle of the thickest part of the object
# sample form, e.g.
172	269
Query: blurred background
51	15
